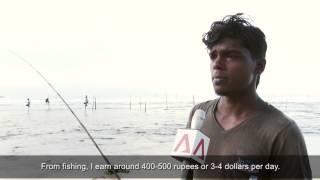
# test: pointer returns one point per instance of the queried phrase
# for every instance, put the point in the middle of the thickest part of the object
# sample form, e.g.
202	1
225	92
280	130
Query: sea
118	127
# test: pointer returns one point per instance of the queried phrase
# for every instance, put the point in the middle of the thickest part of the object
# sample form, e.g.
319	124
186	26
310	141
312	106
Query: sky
139	48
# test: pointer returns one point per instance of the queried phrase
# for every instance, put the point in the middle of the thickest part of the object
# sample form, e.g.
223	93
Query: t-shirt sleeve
191	115
289	150
205	106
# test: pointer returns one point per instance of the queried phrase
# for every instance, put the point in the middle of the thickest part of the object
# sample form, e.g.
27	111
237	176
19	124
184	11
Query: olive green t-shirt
268	134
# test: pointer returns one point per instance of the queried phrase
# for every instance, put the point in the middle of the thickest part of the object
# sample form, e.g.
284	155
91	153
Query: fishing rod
74	114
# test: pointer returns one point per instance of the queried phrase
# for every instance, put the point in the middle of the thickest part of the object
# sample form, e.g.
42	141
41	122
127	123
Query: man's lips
219	78
218	75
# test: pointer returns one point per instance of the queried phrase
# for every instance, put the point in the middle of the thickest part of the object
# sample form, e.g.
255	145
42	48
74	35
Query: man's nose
218	63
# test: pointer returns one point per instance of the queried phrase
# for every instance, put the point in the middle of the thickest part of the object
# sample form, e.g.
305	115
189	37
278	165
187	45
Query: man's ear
260	65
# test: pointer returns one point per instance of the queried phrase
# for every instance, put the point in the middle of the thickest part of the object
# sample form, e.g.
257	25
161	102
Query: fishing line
81	124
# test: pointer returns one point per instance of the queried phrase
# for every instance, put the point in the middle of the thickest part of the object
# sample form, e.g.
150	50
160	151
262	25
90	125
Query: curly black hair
237	27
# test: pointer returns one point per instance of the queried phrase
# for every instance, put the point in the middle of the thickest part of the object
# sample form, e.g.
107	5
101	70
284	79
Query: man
47	101
86	102
240	123
28	103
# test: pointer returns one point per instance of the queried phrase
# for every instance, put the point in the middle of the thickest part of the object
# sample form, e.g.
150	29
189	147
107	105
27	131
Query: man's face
232	68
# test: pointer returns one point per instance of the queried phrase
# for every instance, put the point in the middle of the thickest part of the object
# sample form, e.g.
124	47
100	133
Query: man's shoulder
205	105
275	119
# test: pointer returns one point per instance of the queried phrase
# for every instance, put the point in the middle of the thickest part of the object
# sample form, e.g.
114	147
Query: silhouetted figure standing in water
86	102
28	103
47	102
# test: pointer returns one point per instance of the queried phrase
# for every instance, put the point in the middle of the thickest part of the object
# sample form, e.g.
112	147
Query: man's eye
234	55
213	56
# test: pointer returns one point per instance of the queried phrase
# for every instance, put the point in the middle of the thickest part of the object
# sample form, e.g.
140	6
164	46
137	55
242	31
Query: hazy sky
142	47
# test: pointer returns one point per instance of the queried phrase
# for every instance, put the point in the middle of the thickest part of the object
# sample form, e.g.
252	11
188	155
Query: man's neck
231	111
239	105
